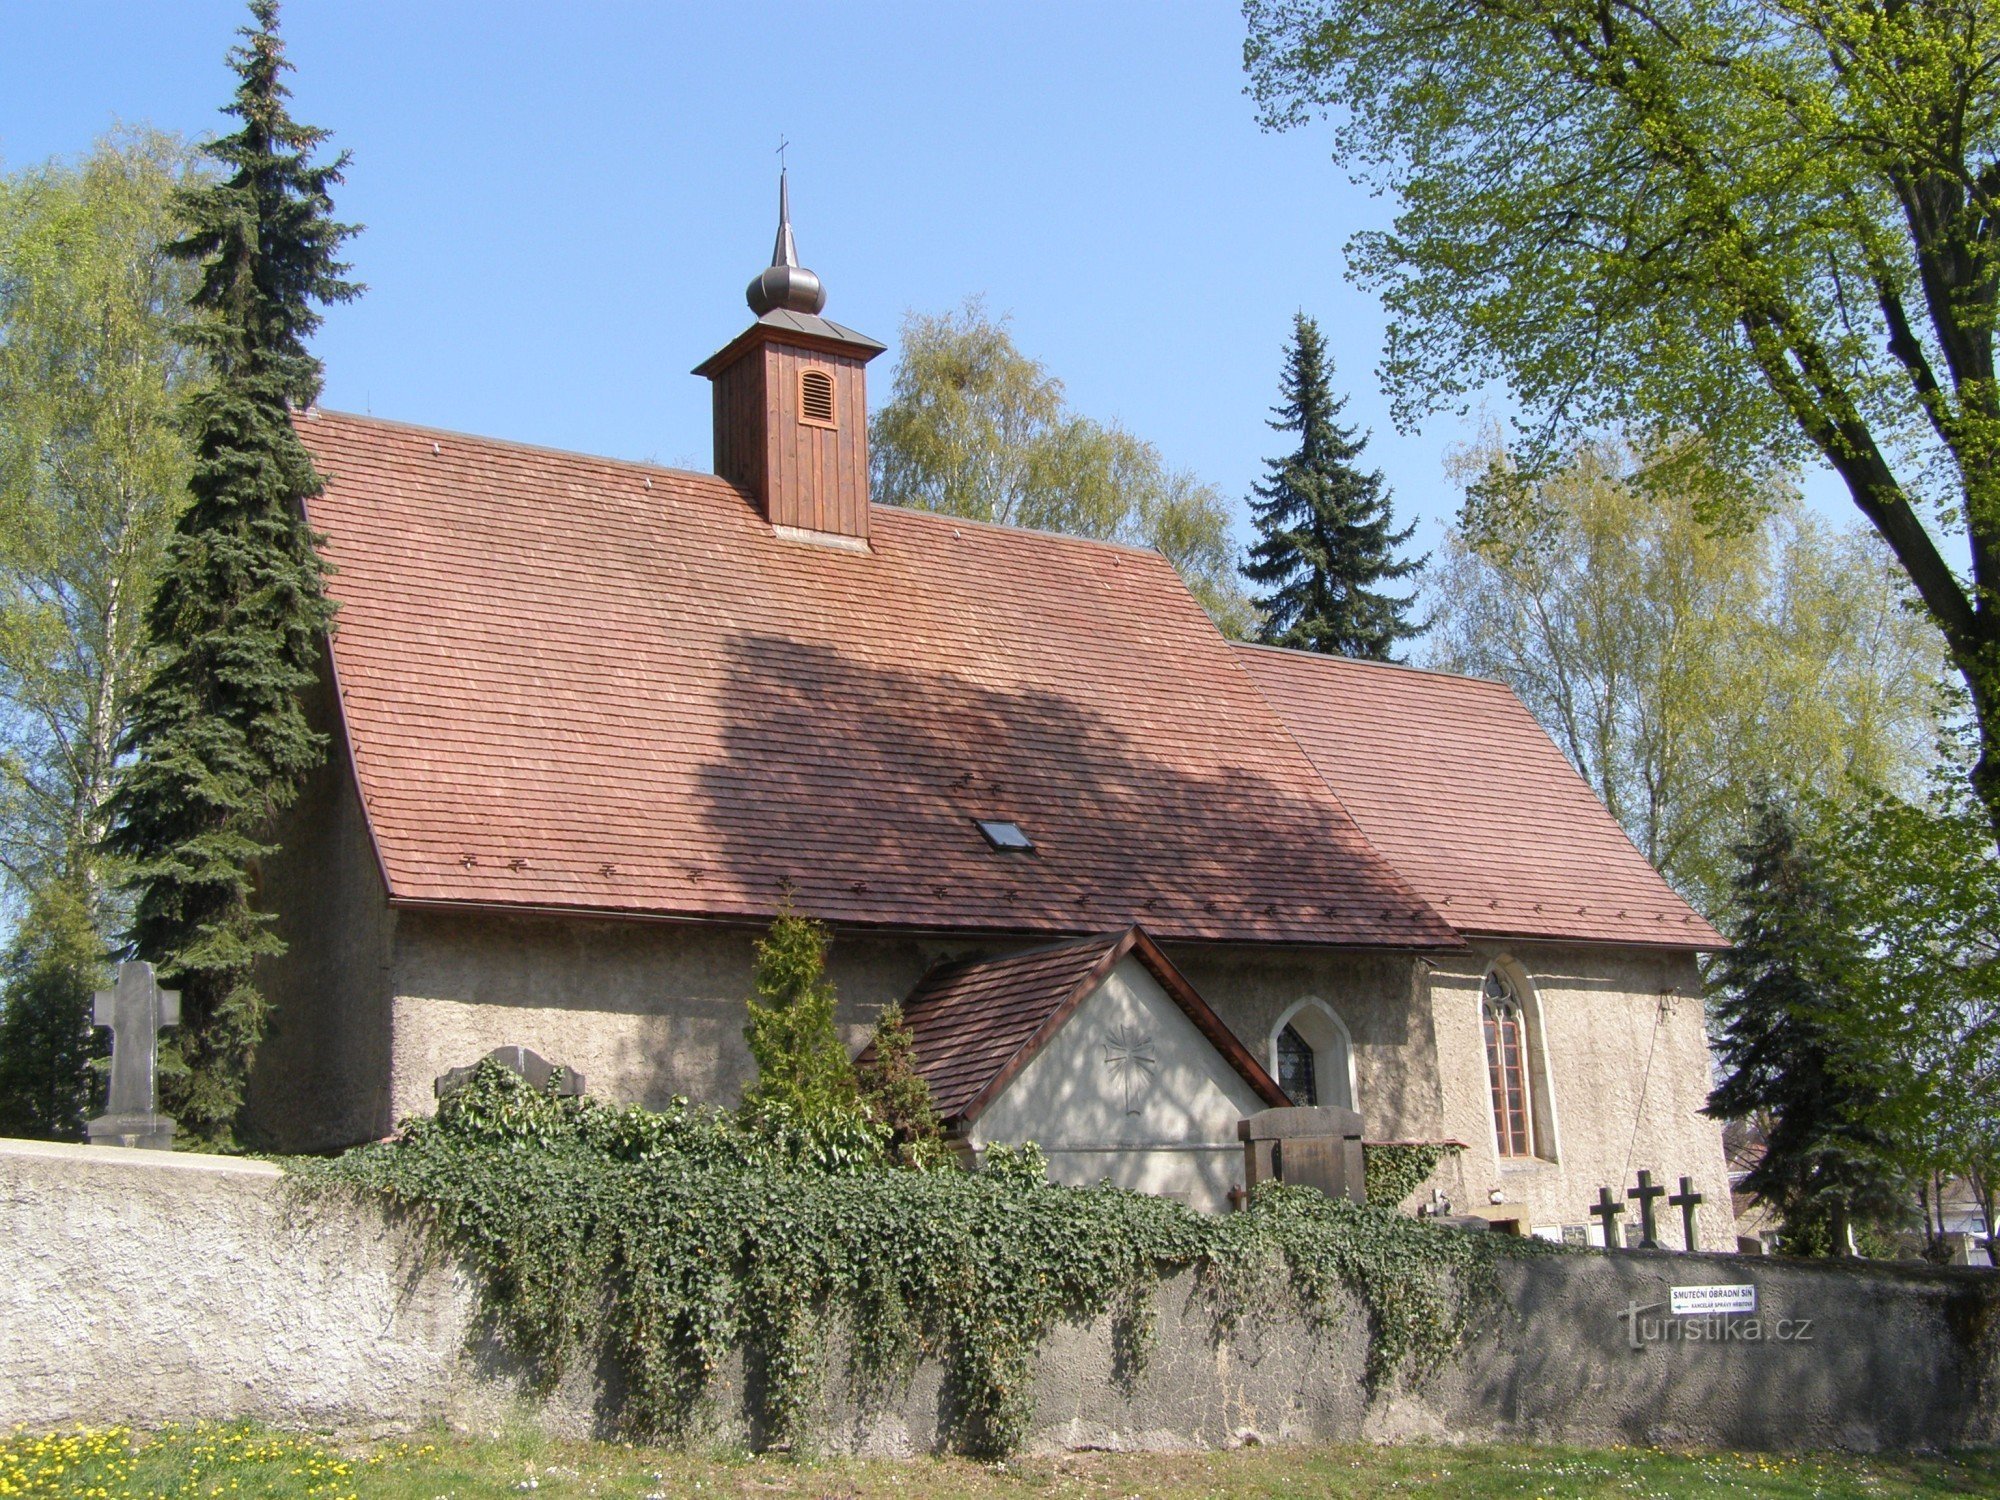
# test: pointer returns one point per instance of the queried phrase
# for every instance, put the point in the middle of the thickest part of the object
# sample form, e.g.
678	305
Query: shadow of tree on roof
852	788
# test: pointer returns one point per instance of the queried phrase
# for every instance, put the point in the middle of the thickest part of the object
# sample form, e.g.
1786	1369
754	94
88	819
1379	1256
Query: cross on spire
136	1010
1646	1192
1607	1209
785	285
1687	1200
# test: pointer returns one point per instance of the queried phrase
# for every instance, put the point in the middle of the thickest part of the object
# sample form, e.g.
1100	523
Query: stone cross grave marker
136	1011
1687	1200
1607	1209
1646	1192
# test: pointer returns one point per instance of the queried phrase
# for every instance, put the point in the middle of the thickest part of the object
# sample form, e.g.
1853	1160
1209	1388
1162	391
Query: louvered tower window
1507	1067
816	398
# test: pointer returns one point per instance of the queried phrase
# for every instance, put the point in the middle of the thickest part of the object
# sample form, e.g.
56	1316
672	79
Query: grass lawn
240	1461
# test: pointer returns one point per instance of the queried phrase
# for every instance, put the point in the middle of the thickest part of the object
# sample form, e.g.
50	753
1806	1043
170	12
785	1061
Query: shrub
898	1099
681	1236
1392	1170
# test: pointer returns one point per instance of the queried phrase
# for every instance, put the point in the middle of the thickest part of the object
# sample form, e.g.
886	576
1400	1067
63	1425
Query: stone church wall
145	1287
322	1077
1620	1072
1377	998
371	1004
645	1010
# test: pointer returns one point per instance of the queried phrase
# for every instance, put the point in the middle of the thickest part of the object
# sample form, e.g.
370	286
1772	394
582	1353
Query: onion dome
785	284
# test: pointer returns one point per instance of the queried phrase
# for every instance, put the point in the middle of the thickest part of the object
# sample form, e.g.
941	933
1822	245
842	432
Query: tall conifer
1787	1061
1324	545
219	734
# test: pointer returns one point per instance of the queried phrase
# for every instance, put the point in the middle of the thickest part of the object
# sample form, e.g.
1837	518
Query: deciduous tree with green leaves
1325	547
1675	666
1920	889
974	427
219	734
1773	223
51	968
93	468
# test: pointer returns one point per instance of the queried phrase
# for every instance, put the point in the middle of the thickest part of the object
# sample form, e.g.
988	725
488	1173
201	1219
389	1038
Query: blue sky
563	202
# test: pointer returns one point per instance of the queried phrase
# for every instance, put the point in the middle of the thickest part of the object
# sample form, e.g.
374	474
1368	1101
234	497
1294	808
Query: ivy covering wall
677	1238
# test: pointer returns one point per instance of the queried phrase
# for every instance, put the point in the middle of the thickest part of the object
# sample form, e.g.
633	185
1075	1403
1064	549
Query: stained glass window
1507	1067
1295	1068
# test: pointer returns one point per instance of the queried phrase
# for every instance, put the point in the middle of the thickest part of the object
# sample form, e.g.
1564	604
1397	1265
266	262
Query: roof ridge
313	413
923	516
945	517
1328	659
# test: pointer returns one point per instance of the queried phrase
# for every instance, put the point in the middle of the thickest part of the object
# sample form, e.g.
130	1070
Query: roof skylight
1005	835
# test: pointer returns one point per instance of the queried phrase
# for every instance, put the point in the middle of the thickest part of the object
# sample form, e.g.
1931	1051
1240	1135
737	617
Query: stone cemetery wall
142	1287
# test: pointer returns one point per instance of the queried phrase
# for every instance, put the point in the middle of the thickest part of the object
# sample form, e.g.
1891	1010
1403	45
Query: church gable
981	1027
1126	1071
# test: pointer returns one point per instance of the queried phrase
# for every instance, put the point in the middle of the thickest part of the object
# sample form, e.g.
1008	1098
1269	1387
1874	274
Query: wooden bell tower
791	404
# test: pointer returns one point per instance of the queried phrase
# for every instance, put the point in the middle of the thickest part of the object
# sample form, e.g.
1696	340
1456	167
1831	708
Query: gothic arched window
1507	1066
1296	1075
1312	1056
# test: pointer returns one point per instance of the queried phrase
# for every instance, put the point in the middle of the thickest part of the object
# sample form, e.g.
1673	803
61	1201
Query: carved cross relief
1132	1062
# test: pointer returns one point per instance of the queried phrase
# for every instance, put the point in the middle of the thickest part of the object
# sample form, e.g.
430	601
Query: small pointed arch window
816	398
1312	1055
1296	1072
1507	1069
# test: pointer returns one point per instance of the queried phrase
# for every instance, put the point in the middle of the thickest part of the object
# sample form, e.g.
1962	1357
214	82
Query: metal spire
785	283
785	252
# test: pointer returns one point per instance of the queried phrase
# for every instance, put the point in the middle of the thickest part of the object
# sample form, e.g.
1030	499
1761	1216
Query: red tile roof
580	684
1456	784
976	1024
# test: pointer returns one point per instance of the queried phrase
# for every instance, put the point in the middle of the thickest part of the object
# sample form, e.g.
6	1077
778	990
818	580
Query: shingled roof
976	1024
575	684
1464	793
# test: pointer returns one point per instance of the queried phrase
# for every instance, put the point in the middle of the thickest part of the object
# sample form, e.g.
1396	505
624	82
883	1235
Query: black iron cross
1646	1192
1687	1200
1607	1209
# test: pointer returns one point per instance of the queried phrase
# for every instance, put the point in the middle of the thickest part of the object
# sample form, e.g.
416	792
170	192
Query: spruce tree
219	738
1325	546
1779	996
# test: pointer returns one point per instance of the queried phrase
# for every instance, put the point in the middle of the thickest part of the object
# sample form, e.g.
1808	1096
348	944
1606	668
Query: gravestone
1607	1209
532	1066
1308	1146
1687	1200
1646	1193
135	1010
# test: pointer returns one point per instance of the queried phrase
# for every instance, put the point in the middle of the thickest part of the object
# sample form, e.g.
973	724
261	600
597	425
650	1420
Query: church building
595	723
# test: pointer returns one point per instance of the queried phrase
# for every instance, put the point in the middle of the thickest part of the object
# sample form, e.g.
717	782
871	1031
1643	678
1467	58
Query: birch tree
93	469
976	428
1678	666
